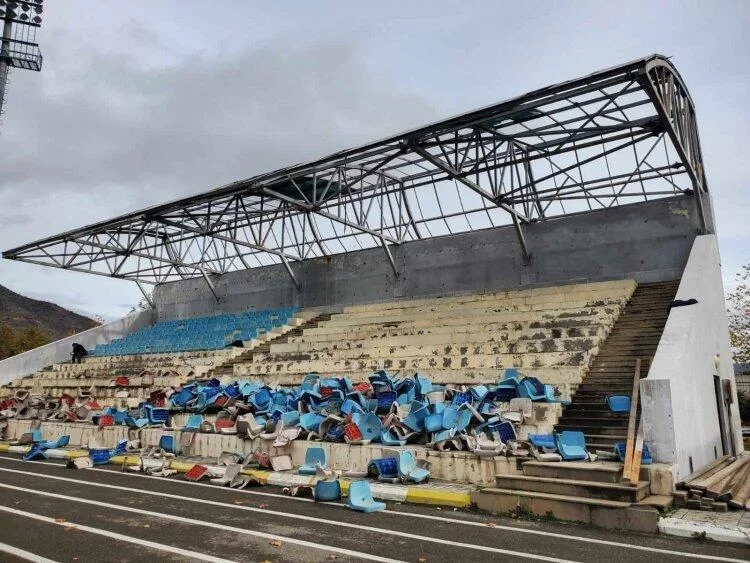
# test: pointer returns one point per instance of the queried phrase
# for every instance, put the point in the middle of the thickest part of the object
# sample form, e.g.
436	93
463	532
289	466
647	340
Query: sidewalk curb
689	529
380	491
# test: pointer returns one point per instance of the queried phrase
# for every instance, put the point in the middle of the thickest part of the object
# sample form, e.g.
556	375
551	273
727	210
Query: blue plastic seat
36	451
546	441
193	423
645	454
370	426
618	403
168	443
313	457
360	498
532	388
61	442
571	445
408	469
327	491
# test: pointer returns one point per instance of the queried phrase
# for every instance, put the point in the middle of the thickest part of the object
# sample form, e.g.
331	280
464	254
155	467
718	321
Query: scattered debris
387	409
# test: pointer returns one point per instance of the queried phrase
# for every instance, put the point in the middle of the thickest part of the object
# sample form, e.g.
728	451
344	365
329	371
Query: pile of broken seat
385	409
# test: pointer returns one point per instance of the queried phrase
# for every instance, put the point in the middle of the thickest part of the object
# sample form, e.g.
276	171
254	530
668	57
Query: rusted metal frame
546	155
603	183
516	217
646	81
621	146
229	239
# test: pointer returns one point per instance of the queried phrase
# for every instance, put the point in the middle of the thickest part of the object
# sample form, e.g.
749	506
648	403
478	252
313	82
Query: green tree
12	342
739	317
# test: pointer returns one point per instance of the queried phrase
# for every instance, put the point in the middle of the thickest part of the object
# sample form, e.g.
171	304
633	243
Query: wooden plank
738	483
712	480
630	444
635	469
705	471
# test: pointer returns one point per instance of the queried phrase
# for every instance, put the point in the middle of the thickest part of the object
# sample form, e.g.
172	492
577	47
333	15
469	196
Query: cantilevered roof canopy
617	136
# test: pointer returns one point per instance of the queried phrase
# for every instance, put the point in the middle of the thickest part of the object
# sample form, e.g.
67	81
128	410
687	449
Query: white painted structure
678	398
59	351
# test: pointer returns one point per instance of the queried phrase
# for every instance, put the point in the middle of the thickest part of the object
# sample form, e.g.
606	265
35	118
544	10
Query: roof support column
390	257
146	296
210	284
290	272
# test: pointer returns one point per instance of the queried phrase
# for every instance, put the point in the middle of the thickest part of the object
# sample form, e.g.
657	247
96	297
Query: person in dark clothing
78	352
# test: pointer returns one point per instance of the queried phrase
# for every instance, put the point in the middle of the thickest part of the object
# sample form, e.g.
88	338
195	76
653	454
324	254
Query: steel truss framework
614	137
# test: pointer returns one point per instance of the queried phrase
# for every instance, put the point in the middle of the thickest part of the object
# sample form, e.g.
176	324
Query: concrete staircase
593	493
585	492
635	334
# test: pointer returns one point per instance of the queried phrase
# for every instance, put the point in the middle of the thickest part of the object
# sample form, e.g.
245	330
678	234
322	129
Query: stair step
593	429
574	470
598	512
661	502
574	487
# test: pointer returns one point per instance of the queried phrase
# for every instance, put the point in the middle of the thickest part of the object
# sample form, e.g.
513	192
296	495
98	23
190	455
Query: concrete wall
647	241
679	410
59	351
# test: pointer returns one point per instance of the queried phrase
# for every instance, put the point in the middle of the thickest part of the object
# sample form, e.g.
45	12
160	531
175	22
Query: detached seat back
571	445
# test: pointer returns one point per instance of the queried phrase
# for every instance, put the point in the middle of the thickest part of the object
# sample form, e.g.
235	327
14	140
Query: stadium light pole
18	46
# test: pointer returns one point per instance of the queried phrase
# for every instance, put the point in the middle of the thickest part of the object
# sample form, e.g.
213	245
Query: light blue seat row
202	333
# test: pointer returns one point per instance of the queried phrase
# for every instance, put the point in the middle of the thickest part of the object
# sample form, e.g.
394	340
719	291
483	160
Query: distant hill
20	313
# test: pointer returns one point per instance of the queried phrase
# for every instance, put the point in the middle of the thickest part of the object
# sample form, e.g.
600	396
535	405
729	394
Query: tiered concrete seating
551	333
146	372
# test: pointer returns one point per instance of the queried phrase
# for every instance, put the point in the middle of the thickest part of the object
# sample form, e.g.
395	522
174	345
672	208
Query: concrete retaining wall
461	467
679	408
56	352
645	241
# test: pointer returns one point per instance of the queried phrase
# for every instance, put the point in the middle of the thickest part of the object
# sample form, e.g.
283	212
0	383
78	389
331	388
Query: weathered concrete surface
59	351
679	409
460	467
466	534
645	241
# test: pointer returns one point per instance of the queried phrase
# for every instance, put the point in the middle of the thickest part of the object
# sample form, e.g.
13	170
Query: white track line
565	537
25	555
264	511
214	525
114	535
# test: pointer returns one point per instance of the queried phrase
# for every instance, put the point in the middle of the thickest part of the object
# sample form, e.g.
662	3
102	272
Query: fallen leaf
18	502
275	543
490	524
262	505
240	502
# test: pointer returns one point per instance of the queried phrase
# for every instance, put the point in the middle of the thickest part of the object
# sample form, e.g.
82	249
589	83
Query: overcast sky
142	102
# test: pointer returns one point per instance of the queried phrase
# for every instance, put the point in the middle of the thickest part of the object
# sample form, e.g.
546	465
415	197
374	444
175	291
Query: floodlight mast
18	46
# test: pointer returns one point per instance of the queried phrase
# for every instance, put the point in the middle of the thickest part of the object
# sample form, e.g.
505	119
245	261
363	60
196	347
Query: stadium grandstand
563	237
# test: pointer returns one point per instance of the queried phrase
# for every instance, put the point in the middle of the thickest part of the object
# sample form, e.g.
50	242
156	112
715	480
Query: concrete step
574	470
603	442
574	487
598	512
594	429
572	413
